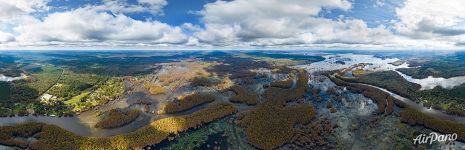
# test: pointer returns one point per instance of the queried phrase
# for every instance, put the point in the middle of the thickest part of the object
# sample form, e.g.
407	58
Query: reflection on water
76	125
330	63
431	82
9	79
379	64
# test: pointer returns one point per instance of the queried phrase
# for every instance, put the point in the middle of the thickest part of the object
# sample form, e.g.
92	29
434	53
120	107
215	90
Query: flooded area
9	79
358	126
432	82
334	62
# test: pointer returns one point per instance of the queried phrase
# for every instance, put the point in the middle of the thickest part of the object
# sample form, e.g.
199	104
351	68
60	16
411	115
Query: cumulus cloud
98	25
90	24
6	37
12	9
431	18
123	6
275	22
231	24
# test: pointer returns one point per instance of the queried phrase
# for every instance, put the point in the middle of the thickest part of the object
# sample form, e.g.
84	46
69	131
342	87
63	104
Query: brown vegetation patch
179	74
284	84
390	104
186	102
155	89
271	124
117	118
314	134
204	81
243	96
413	117
237	67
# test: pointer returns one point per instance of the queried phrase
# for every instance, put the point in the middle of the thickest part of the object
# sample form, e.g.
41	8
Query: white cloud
6	37
90	24
123	6
378	3
431	18
12	9
275	22
232	24
85	26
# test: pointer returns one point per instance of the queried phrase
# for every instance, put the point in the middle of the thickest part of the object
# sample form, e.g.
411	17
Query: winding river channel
84	127
81	126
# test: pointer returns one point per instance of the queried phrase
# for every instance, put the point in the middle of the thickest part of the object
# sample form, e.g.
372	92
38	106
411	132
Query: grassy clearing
77	99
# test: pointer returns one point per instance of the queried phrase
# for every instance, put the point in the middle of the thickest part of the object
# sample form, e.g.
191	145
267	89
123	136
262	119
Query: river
432	82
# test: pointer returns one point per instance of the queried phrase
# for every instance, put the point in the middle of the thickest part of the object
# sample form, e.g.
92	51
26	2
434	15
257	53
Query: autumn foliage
284	84
155	89
243	96
188	101
271	124
117	118
414	117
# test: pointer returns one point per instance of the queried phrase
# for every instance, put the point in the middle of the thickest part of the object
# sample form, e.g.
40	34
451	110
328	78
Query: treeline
445	67
53	137
9	134
389	80
118	118
186	102
243	96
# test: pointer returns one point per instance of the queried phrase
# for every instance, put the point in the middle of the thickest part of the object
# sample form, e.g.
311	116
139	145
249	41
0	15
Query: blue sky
232	24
